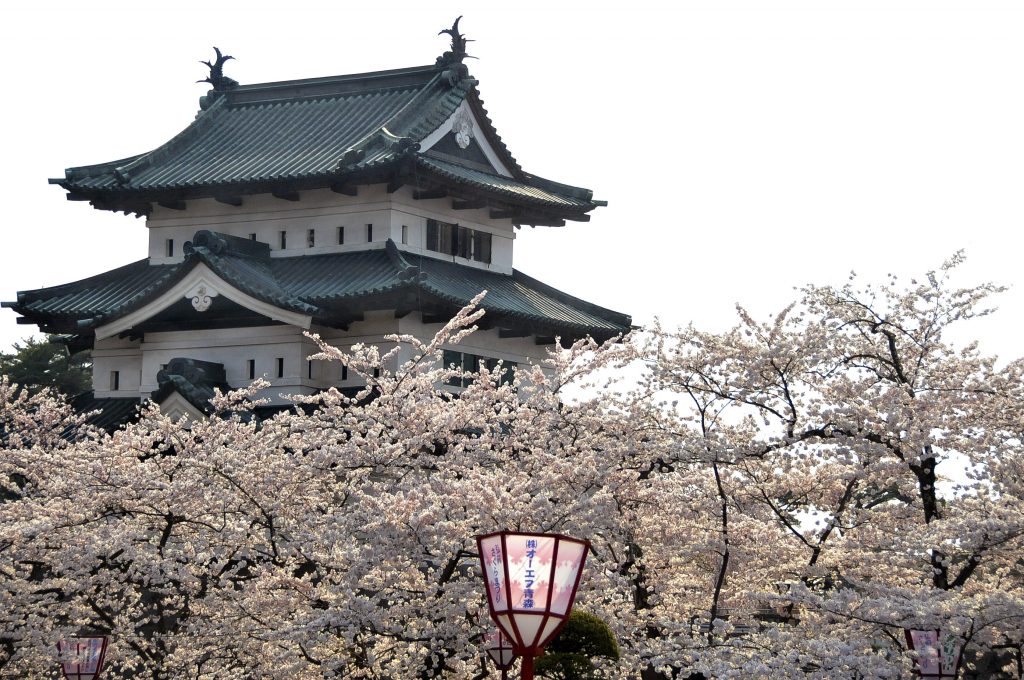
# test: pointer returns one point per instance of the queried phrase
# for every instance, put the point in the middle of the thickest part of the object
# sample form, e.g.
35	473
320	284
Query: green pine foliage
569	655
36	364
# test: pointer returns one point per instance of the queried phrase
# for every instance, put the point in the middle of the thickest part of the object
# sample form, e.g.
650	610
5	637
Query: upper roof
333	290
332	132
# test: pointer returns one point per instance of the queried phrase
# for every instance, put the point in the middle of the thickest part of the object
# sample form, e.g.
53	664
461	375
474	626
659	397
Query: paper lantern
532	580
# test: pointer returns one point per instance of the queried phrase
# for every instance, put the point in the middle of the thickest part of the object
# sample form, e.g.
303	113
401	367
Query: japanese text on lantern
530	577
496	573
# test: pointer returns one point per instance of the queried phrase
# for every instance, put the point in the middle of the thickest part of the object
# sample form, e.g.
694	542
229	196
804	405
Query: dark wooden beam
429	193
395	184
344	188
544	340
341	322
468	205
286	194
512	333
172	205
401	312
429	317
24	322
504	214
76	197
543	222
229	200
578	218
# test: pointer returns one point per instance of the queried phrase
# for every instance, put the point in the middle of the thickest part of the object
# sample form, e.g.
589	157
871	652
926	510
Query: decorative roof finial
458	51
217	78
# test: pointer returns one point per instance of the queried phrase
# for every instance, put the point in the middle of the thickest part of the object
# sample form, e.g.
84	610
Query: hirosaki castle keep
352	206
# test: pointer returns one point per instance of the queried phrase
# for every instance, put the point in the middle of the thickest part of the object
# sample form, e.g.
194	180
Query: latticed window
451	239
472	363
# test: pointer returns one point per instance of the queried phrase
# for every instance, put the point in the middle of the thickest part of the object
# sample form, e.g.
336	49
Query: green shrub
569	655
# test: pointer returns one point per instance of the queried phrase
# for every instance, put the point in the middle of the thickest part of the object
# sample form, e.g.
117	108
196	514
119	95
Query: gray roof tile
296	134
319	285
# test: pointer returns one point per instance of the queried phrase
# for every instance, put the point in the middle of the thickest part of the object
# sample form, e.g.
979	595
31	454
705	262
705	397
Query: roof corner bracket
345	188
285	194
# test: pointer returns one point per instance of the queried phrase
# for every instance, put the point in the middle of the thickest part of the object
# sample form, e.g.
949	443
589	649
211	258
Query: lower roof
332	289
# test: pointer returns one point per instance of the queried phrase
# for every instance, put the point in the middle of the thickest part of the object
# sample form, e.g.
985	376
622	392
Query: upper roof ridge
336	85
330	132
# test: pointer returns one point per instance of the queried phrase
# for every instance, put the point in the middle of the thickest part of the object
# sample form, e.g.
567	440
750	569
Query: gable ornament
202	296
462	127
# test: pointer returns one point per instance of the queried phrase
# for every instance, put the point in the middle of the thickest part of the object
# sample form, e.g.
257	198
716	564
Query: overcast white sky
744	148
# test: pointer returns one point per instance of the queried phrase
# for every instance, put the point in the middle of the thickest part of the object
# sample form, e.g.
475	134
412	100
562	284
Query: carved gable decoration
460	140
462	128
471	155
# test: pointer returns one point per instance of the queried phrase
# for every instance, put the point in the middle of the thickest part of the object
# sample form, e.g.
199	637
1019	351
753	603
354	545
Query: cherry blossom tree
866	473
779	500
336	540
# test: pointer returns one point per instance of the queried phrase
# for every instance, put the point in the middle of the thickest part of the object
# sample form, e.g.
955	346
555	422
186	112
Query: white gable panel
200	285
176	407
464	112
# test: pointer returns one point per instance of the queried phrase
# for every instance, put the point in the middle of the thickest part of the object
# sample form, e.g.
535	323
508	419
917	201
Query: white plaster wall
116	354
234	347
140	361
414	213
324	211
370	331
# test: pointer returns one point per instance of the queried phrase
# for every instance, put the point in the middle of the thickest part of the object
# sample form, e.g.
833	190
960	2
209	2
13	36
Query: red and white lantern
81	658
531	580
938	656
499	648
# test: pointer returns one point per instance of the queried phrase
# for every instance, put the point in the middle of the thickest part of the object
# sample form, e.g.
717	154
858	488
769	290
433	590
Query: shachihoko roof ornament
459	40
217	79
456	71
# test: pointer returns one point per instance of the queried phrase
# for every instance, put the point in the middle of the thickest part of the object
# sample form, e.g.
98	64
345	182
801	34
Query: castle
352	206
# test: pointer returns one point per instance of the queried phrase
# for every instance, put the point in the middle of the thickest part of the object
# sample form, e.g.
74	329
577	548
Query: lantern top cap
508	532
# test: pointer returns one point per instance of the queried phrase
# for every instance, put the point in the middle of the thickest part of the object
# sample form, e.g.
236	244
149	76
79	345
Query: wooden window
463	242
471	363
344	372
376	372
508	369
341	236
170	247
309	369
405	234
311	238
482	246
451	239
453	360
115	381
284	240
252	237
252	369
280	367
433	235
369	233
